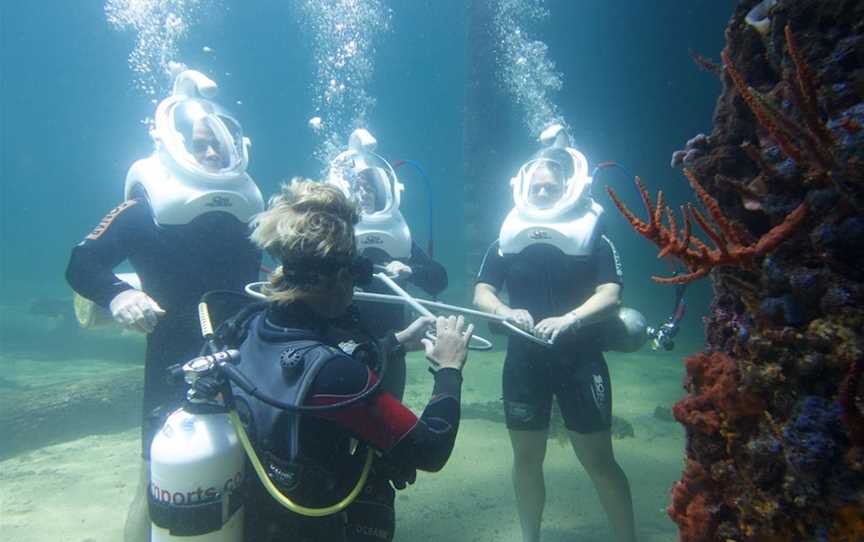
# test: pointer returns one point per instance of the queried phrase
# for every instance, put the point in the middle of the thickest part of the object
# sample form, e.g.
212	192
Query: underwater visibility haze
746	425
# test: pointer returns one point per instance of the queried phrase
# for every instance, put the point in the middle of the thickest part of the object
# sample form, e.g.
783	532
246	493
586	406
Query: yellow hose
207	331
204	321
282	499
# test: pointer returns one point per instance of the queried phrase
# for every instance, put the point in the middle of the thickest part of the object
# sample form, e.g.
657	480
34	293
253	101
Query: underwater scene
453	270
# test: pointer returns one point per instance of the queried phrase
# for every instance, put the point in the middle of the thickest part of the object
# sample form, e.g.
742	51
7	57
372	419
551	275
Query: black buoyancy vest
283	364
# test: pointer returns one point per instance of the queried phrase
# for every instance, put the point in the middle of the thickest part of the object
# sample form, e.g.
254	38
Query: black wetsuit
382	318
381	421
176	265
364	523
547	283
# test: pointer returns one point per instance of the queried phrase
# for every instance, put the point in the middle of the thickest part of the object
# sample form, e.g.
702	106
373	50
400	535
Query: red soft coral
713	382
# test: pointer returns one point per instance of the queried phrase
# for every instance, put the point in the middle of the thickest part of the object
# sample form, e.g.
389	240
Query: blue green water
72	117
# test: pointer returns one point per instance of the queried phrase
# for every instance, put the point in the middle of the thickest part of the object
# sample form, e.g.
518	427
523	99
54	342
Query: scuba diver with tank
305	397
184	228
563	280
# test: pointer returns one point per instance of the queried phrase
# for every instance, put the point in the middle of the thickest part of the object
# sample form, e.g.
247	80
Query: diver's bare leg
594	451
137	528
529	451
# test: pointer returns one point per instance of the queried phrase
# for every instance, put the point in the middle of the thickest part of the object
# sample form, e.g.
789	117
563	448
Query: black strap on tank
193	519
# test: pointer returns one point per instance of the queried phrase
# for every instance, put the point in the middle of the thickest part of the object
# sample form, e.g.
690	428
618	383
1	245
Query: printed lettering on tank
102	227
198	495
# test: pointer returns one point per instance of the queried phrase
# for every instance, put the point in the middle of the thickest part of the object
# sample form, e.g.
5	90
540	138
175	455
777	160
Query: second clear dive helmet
370	180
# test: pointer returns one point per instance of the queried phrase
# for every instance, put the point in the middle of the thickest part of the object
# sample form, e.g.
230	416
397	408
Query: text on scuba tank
199	494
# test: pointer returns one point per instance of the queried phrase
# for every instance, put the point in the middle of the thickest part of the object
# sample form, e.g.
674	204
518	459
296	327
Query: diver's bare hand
410	337
450	349
520	317
136	310
398	270
550	328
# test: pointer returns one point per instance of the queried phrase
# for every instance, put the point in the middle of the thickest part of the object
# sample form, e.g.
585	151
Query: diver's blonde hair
307	219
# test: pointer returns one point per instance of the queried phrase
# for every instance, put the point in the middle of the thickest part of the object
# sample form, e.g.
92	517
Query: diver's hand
136	310
450	348
551	328
398	270
400	475
520	317
410	337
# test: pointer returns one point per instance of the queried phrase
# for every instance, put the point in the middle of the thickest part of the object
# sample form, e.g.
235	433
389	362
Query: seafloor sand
78	491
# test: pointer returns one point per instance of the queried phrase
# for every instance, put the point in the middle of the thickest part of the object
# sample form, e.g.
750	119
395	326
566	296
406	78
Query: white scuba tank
196	473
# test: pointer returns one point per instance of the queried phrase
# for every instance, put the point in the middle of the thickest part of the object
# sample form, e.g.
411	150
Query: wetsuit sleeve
383	421
90	270
426	272
607	263
493	269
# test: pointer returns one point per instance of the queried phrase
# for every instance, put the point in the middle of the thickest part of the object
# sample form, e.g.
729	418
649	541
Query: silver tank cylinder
196	459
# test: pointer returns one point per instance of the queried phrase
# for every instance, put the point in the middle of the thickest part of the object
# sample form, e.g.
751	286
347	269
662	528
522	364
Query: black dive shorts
580	381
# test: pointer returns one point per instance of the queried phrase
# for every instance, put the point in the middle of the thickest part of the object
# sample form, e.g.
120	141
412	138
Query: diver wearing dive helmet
184	228
563	279
312	456
383	237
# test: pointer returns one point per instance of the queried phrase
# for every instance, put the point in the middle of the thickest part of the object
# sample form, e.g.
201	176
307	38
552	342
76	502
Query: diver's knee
529	448
527	460
600	465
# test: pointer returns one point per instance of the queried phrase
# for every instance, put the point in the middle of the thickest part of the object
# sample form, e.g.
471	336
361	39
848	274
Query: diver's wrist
575	321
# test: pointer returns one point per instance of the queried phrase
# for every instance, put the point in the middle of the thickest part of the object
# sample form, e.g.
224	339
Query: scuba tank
197	459
197	470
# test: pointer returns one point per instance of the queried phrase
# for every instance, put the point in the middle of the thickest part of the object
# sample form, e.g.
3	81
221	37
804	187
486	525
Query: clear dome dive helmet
560	169
370	180
199	164
203	140
552	199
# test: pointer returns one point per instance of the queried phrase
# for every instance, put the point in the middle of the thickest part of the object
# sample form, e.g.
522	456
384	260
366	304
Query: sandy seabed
79	491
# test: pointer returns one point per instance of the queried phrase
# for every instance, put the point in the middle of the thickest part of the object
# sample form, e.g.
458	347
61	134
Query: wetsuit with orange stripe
326	438
177	264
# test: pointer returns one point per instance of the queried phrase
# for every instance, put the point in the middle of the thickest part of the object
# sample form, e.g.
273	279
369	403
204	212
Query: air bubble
524	69
344	34
159	26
